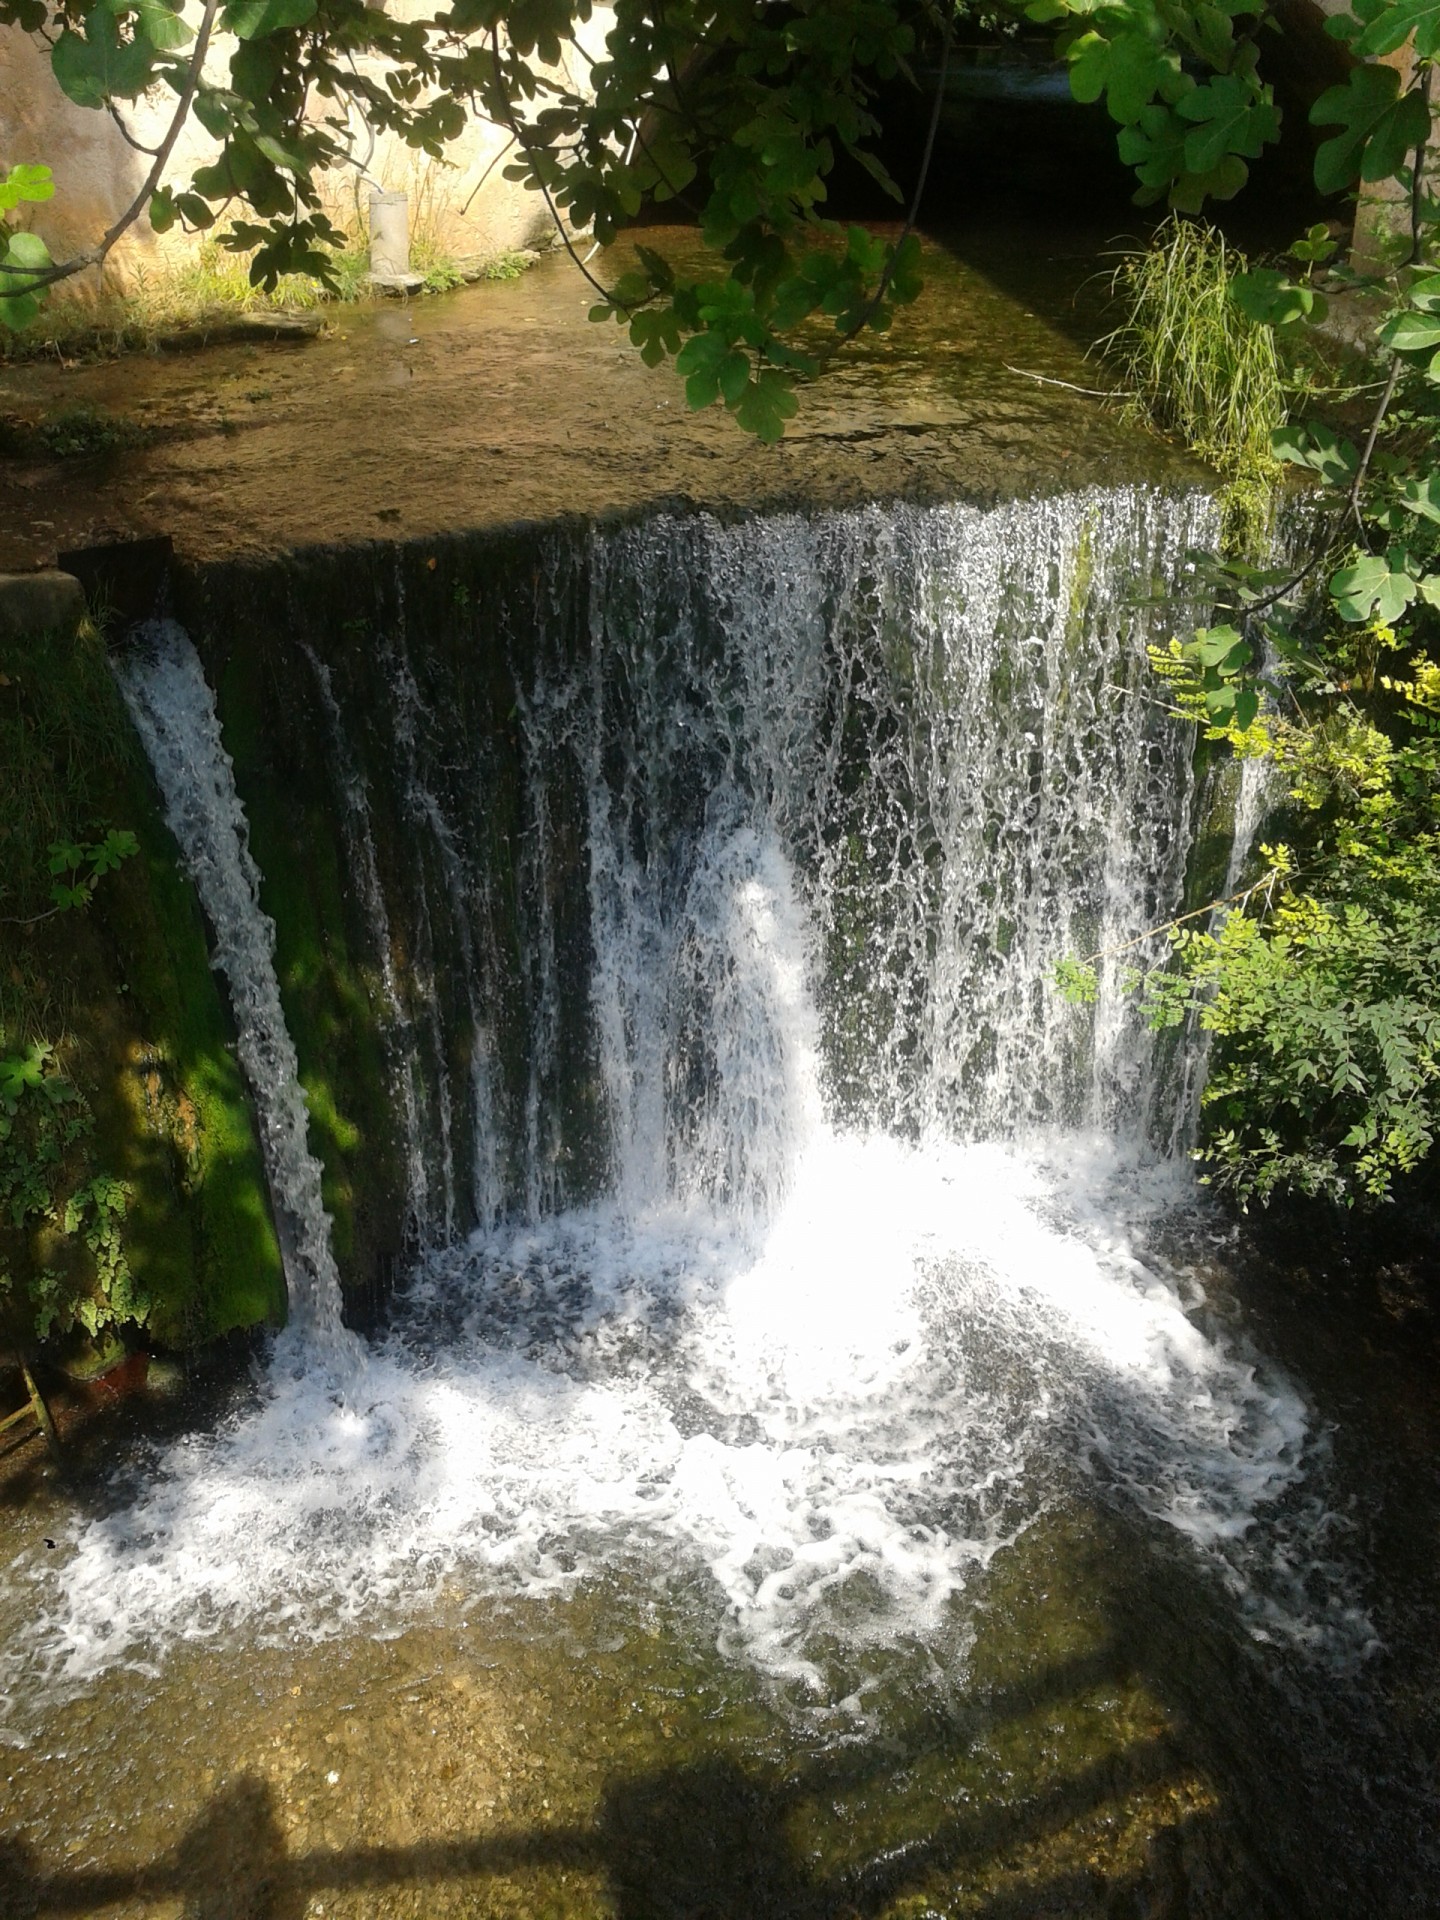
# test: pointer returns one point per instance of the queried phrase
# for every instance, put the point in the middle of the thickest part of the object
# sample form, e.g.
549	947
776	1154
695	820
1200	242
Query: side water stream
813	1463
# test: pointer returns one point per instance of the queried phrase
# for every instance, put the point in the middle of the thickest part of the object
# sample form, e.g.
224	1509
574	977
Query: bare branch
514	127
1093	393
1417	176
125	133
1364	467
872	306
1266	880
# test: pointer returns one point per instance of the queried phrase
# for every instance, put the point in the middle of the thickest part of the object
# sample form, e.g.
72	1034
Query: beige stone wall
96	172
462	205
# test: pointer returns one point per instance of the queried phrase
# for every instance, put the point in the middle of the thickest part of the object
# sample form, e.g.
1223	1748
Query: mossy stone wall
359	688
123	992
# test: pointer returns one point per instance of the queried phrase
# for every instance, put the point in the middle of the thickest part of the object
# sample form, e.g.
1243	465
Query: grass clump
73	433
1199	368
506	266
162	304
172	299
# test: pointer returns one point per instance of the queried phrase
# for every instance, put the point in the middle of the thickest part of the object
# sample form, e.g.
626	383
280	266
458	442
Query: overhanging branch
37	277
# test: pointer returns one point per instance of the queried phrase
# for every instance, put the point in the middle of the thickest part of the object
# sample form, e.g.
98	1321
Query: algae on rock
148	1208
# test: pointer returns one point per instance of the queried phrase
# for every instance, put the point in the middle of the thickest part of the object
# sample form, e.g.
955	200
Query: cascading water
400	1033
862	1291
164	687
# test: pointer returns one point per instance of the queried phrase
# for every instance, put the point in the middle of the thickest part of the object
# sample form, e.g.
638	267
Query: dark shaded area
1349	1301
1012	137
1017	159
108	1437
703	1841
124	580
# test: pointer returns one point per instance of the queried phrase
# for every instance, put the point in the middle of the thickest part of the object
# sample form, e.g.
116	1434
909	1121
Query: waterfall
400	1036
811	1226
164	687
940	720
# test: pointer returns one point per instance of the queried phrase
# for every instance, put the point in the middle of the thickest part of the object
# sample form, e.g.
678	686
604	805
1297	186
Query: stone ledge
34	603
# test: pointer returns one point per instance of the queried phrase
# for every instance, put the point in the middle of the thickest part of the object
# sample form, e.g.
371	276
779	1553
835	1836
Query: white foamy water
926	1346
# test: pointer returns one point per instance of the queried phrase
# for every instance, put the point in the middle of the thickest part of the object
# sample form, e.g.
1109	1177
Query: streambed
497	405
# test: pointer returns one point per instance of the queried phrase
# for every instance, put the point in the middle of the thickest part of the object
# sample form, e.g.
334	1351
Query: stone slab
44	602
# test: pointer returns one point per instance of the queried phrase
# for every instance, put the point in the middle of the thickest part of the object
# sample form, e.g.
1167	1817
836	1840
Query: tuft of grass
179	297
1197	367
211	284
74	433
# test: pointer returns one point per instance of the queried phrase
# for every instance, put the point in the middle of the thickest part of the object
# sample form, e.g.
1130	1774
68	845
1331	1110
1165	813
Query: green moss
125	993
182	1092
333	1007
1214	836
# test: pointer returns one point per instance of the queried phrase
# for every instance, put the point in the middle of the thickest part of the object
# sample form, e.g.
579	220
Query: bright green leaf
25	183
97	66
164	26
1369	590
1412	332
1395	23
1422	497
1379	127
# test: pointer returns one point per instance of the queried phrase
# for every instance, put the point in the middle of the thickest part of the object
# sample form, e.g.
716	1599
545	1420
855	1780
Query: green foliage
79	868
20	252
78	432
25	183
1322	991
47	1173
52	1192
1187	132
24	255
505	266
441	276
1208	680
63	742
1324	1003
1329	1078
1378	123
1321	986
144	1196
1077	980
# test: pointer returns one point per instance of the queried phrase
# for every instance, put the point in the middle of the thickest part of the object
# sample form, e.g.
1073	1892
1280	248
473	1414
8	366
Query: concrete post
390	238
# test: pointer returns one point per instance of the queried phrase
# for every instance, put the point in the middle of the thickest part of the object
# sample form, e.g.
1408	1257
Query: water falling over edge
833	1368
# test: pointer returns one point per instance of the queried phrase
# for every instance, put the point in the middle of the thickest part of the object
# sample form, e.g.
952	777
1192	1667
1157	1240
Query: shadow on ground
705	1841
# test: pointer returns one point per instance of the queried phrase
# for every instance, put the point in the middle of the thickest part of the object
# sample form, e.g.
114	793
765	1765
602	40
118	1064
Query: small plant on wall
62	1254
59	1206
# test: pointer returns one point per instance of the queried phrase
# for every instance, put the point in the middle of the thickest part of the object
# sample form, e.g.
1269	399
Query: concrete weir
502	404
